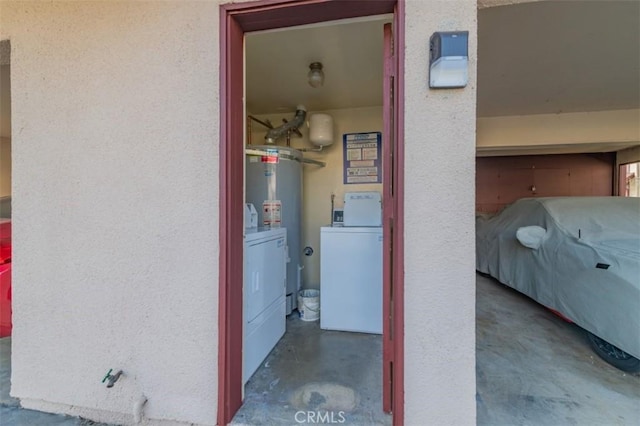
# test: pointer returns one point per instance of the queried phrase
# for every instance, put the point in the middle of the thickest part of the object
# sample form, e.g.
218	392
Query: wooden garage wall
502	180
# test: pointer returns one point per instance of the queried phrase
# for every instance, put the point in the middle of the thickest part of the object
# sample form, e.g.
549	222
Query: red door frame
235	20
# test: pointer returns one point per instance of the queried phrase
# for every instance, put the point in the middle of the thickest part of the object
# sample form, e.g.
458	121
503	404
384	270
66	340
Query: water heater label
271	157
272	213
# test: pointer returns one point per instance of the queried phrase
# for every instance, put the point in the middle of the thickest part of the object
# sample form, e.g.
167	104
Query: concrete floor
314	372
532	369
11	414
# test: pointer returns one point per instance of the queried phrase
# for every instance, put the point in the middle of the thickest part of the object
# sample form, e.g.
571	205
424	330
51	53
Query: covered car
579	256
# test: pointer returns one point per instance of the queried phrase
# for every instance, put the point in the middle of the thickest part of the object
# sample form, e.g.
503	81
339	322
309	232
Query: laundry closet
313	243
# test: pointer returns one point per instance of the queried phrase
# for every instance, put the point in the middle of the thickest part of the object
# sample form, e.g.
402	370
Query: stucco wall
321	182
439	220
115	148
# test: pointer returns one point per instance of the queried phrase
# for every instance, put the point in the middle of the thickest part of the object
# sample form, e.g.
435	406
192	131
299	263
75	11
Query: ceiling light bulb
316	76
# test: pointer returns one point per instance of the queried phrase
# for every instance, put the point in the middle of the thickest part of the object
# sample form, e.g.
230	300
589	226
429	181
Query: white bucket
309	305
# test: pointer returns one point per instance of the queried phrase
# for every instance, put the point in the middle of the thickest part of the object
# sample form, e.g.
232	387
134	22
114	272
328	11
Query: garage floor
10	412
313	372
532	369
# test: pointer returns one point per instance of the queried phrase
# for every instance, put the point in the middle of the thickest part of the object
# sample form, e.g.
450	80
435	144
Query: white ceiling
533	58
558	56
277	63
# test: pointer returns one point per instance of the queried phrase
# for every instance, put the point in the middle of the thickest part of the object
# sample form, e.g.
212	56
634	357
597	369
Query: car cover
586	265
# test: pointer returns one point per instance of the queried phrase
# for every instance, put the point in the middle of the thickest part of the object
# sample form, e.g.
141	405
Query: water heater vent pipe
290	126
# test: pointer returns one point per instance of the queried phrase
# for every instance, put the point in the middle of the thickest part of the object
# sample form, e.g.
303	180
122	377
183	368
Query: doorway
236	20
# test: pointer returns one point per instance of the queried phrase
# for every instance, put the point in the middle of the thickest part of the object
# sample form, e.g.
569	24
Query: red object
5	300
562	317
5	278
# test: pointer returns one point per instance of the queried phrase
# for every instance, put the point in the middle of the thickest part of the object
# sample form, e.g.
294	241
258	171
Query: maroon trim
235	20
231	219
268	14
398	244
388	207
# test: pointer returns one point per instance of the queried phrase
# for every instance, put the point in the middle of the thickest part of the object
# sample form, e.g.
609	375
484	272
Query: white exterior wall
115	186
115	206
439	225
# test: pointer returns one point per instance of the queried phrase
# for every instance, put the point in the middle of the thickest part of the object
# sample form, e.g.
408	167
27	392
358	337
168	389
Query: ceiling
277	63
533	58
558	56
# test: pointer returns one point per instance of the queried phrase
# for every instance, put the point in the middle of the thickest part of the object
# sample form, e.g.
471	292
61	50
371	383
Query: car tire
613	355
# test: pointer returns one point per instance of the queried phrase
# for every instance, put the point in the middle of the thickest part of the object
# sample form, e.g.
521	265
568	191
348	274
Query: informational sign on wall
362	156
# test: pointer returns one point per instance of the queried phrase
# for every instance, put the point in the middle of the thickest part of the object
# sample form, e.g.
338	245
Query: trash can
309	305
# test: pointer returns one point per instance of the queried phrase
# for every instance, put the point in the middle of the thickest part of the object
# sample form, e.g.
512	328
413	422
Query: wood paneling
503	180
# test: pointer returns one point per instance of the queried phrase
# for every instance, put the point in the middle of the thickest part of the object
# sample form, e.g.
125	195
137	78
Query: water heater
275	178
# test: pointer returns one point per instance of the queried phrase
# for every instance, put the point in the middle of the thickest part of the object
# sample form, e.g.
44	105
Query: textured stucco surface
439	225
115	185
115	189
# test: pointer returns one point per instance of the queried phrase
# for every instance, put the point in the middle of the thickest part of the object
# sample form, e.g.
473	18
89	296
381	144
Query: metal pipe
319	149
138	407
275	133
264	123
314	162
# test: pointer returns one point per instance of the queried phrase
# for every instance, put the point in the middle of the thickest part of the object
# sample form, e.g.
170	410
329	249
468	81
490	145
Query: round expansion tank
321	129
277	176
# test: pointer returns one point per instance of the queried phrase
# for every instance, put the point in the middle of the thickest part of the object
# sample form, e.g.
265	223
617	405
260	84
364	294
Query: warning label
272	213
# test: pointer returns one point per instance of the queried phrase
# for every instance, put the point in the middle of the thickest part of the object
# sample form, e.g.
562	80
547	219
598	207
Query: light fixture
448	59
316	76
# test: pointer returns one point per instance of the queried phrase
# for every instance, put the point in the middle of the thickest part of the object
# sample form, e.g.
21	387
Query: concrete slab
535	369
317	376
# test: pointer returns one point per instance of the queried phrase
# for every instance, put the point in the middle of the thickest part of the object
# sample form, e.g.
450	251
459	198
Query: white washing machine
265	281
351	279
